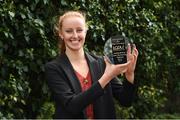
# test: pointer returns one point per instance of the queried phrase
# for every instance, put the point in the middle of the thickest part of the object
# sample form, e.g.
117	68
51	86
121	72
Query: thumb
107	60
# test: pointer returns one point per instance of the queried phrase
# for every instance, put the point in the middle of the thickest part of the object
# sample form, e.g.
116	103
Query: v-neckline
82	75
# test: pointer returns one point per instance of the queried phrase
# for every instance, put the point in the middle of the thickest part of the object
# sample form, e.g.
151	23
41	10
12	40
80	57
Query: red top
86	83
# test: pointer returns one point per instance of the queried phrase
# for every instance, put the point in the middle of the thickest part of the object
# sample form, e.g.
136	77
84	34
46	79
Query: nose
75	35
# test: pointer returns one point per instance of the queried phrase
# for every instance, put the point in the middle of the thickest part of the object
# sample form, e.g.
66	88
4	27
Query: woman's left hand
132	57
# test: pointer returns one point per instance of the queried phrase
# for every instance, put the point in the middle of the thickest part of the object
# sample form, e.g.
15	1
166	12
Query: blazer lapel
68	69
93	66
96	73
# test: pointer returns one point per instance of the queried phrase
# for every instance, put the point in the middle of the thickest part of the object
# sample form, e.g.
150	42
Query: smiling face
73	32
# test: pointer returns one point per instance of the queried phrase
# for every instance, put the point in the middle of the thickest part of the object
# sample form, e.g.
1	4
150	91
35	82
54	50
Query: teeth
75	41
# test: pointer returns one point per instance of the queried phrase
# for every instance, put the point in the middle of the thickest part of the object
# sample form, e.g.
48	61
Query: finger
107	60
128	52
129	49
124	64
134	47
130	58
136	52
135	56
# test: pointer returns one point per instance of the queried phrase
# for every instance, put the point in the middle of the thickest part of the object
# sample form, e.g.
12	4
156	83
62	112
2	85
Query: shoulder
95	56
54	63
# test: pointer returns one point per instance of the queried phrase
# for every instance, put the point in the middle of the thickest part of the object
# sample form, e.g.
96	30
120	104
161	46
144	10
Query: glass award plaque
115	49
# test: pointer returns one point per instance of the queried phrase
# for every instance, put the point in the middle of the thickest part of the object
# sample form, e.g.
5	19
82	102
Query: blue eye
80	30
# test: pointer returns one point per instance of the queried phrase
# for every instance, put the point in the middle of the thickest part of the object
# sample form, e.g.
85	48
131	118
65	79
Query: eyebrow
75	28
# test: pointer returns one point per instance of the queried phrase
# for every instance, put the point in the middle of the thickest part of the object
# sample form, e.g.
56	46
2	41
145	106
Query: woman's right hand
112	71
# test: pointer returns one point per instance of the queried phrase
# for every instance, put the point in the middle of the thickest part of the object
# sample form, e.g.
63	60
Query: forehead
73	21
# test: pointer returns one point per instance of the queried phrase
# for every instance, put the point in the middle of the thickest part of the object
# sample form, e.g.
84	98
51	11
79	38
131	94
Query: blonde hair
58	26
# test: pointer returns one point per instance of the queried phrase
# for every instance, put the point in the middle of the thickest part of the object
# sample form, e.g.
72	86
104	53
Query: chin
75	49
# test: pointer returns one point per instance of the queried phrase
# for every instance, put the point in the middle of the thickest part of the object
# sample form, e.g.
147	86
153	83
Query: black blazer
66	90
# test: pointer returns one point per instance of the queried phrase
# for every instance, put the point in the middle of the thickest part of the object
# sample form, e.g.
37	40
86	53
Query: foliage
24	48
47	111
168	116
27	43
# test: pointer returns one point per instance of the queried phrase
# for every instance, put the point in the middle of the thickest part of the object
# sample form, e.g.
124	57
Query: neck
75	55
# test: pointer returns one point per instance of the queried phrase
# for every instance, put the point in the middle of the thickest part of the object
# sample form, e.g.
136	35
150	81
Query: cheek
83	35
66	36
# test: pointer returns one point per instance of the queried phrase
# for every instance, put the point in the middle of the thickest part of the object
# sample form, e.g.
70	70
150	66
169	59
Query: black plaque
119	49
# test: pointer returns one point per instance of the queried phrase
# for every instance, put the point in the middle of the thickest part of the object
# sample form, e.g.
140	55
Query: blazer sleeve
62	91
123	92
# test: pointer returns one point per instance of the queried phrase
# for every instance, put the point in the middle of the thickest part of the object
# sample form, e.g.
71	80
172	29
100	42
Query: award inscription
119	49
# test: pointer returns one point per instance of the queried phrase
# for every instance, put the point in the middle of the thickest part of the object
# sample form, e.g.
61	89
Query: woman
83	85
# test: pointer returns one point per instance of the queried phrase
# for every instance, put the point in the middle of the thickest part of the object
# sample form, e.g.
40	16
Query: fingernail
134	45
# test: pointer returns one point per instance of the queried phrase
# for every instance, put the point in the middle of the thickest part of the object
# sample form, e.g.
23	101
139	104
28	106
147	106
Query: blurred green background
27	42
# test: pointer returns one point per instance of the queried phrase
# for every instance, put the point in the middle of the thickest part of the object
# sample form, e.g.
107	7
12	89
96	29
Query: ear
60	35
